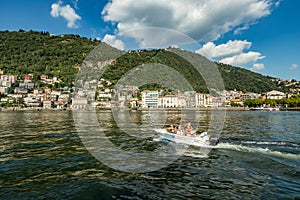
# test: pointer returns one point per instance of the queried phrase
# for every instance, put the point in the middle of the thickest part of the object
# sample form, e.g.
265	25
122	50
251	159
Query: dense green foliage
233	77
294	101
41	53
156	57
245	80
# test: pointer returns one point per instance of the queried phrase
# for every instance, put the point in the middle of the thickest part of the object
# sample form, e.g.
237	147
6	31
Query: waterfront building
79	103
168	101
190	99
203	100
181	102
150	99
47	104
32	101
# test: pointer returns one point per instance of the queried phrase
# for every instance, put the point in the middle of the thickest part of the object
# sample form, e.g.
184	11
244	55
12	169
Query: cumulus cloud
243	59
294	66
114	42
202	20
231	48
233	53
67	12
258	67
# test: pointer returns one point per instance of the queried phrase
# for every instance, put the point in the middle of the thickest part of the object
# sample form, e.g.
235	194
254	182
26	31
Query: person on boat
188	129
170	129
175	130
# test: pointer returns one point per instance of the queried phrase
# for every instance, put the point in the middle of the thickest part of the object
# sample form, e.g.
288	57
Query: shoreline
14	109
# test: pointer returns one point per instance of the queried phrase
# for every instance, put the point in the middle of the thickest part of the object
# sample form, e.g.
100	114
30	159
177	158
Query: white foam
265	151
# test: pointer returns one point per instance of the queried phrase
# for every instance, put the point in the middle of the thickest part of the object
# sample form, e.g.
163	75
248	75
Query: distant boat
266	108
257	108
269	108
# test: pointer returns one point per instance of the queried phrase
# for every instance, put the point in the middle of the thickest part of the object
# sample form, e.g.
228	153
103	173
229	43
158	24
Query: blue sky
260	35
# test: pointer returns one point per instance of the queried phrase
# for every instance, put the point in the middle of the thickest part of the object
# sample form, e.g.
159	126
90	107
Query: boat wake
264	151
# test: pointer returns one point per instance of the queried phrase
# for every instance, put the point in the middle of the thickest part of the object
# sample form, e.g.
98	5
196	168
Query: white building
79	103
250	95
203	100
32	101
150	99
190	99
47	104
168	101
182	102
104	95
275	95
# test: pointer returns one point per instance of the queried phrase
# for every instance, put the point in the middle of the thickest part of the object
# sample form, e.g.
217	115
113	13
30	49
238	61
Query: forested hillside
61	56
41	53
233	77
246	80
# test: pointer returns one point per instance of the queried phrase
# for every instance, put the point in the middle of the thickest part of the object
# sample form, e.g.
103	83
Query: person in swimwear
188	129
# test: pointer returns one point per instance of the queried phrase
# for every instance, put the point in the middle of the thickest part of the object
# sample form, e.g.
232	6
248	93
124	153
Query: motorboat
194	139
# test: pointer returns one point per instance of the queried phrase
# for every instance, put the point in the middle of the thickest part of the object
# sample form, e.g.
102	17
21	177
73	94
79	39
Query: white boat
196	140
266	108
269	108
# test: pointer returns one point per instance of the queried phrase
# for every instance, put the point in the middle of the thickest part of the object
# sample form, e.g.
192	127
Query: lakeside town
23	93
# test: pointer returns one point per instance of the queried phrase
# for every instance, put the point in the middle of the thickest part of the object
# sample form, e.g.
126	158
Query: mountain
61	56
246	80
233	77
41	53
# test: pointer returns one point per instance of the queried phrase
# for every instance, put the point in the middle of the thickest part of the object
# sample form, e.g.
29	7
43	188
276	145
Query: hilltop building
275	95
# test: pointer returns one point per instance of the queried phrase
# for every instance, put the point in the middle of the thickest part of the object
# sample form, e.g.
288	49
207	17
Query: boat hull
201	140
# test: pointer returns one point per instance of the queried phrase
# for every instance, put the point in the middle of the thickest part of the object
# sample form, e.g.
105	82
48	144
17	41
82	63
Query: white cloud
231	48
75	3
67	12
294	66
114	42
233	53
243	59
278	3
203	20
258	67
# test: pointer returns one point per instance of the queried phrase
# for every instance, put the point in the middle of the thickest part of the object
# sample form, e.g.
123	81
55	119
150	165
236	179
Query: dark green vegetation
61	56
294	101
156	57
40	53
233	77
245	80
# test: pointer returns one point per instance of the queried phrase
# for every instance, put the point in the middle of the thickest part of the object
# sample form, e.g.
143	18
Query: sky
259	35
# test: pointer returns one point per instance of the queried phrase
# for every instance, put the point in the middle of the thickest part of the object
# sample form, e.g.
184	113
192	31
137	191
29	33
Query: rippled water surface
42	157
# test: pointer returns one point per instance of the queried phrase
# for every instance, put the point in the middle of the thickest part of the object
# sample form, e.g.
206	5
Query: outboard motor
213	140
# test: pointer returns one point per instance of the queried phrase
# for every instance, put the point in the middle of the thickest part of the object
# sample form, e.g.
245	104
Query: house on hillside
250	95
275	95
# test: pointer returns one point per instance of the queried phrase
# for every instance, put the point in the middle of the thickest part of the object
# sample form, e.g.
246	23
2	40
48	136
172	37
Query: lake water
42	157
